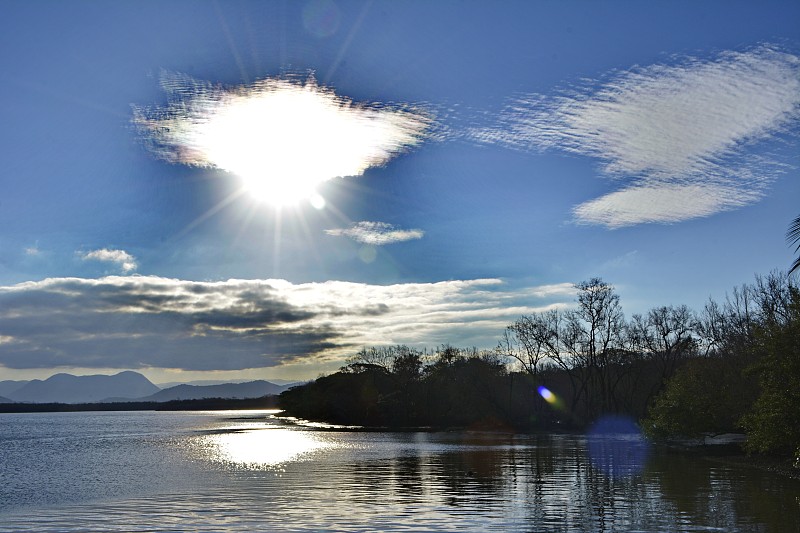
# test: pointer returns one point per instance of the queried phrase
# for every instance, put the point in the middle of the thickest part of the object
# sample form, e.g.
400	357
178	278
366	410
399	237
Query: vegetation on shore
733	367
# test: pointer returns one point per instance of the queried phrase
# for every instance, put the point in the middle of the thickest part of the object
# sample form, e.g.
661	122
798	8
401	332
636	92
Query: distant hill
66	388
5	400
204	382
9	387
251	389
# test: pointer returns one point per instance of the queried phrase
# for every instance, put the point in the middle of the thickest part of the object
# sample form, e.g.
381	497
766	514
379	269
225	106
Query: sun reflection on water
262	448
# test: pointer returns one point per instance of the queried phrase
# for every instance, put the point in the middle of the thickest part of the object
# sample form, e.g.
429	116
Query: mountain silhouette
66	388
5	400
250	389
9	387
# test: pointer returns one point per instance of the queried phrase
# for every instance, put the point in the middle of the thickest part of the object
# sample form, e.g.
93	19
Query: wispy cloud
144	321
376	233
626	260
277	133
678	136
125	261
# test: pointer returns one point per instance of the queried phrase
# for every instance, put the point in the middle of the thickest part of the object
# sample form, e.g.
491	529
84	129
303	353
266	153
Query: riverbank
729	449
783	466
206	404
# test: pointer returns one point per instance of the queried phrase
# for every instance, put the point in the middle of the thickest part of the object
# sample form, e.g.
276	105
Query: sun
281	138
278	143
281	192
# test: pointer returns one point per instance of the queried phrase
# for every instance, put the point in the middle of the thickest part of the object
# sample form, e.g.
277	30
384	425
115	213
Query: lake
248	471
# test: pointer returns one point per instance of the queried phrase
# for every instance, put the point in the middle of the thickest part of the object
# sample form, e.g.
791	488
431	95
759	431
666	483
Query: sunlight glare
317	201
263	447
282	138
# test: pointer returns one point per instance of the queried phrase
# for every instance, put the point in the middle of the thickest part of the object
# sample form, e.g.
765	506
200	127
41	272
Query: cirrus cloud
678	135
376	233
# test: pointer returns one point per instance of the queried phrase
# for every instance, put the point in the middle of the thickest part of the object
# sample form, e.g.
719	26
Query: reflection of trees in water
723	496
763	497
368	478
549	482
470	475
407	475
569	493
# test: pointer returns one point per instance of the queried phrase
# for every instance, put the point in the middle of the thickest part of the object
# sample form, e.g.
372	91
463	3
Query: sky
256	190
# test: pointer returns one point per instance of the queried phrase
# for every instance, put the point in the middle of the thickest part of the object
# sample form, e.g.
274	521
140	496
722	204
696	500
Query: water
247	471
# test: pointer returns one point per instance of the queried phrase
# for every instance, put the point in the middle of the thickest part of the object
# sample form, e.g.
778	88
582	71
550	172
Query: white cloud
663	203
152	322
125	261
669	132
281	136
376	233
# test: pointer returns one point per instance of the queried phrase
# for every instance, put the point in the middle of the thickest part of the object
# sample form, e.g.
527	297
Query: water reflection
250	473
260	448
723	496
616	446
551	483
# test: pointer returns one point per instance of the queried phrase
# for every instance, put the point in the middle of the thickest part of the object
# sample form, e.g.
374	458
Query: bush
705	396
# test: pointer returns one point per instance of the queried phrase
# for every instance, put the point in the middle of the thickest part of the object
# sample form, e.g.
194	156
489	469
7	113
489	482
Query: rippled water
247	471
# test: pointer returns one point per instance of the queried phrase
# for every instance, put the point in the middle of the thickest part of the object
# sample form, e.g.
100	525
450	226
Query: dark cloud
131	322
152	322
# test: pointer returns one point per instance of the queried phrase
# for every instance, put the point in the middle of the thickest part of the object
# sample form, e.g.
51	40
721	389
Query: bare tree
666	335
601	324
587	343
532	339
725	328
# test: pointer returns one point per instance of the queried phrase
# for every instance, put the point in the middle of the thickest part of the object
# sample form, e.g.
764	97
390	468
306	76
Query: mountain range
8	387
250	389
123	387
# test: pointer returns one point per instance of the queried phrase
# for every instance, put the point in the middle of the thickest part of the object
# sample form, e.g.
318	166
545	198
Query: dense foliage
706	396
773	422
749	379
398	386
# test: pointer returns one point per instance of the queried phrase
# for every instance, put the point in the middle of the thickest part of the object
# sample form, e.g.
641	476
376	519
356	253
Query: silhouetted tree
531	340
773	424
705	396
664	335
586	343
793	236
590	343
750	375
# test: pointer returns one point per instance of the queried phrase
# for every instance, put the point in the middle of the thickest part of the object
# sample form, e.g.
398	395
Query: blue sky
499	153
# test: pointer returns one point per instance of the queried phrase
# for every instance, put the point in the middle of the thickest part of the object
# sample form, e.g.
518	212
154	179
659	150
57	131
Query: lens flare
547	394
617	447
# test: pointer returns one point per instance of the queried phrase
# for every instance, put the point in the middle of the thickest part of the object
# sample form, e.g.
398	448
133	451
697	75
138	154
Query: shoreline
203	404
782	466
732	453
